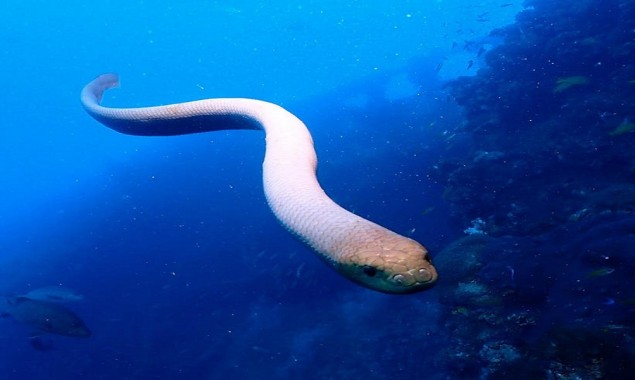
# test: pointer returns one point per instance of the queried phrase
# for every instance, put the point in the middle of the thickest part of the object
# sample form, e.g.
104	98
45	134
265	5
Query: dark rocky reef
543	180
550	117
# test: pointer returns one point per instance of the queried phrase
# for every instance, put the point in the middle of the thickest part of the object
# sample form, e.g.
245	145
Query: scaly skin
361	250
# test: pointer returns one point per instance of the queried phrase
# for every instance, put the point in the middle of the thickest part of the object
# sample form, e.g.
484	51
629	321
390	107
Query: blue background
186	273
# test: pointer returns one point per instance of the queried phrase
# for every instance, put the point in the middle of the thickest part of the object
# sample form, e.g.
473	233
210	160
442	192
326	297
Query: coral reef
543	187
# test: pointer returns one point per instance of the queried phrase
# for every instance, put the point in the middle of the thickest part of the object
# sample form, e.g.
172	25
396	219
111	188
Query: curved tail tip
94	90
106	81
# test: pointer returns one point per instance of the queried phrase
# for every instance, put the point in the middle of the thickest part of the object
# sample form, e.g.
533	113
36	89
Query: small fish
608	302
439	67
613	327
461	310
625	127
427	211
470	63
605	271
46	317
506	5
298	272
53	293
568	82
512	272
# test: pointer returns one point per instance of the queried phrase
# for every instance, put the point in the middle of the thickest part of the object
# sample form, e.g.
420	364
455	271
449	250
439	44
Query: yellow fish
625	127
567	82
600	272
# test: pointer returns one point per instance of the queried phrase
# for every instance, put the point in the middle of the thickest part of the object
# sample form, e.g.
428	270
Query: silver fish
46	317
53	293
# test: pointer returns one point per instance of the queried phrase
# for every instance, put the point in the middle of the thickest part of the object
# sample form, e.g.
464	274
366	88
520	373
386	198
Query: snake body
361	250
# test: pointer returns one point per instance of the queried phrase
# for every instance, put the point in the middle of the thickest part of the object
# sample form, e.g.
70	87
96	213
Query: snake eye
369	271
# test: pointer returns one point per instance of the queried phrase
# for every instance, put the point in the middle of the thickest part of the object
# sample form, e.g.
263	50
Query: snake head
397	265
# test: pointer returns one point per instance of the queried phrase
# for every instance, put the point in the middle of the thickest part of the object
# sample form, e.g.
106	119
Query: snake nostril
369	271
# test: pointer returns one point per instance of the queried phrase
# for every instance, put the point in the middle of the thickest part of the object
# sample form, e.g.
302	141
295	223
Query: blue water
507	153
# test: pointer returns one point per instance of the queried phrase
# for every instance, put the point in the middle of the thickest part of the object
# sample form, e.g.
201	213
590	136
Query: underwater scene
154	243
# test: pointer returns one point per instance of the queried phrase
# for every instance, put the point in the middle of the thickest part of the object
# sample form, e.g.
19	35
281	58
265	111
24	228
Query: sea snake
362	251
